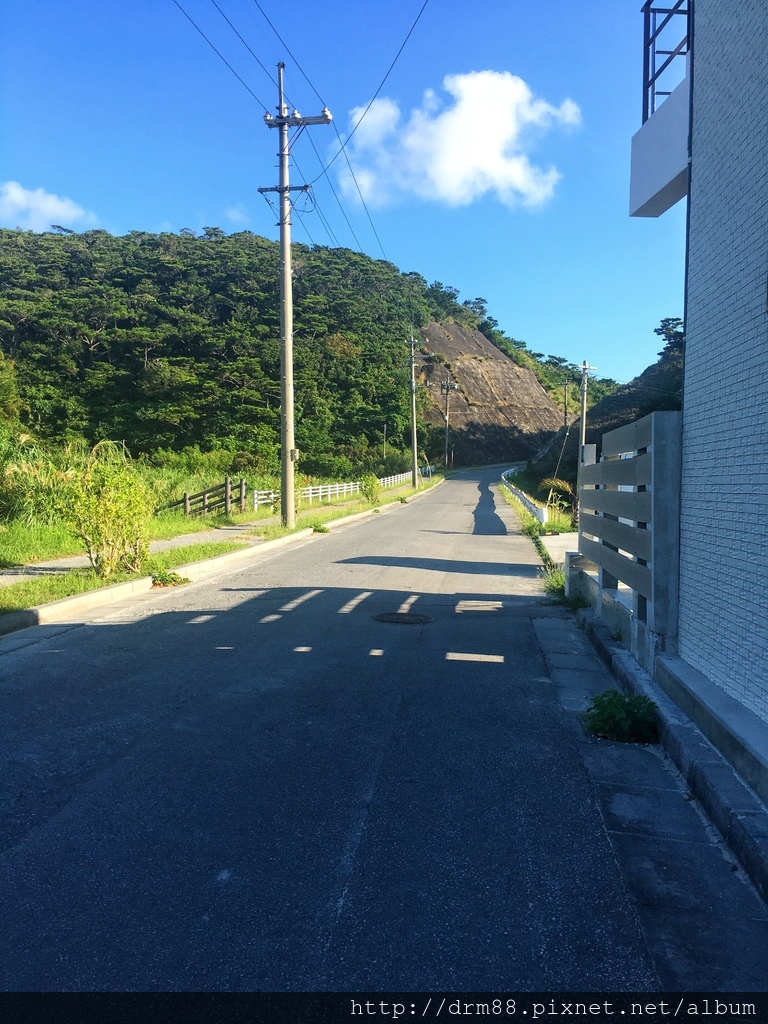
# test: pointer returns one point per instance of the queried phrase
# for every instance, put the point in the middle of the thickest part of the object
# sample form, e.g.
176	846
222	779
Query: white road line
405	607
479	606
376	653
302	650
270	618
456	656
351	605
300	600
200	618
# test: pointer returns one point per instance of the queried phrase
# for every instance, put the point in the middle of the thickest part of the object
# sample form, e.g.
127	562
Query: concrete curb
737	813
65	607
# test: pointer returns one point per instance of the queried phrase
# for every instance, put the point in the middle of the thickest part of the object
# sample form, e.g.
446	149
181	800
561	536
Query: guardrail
538	511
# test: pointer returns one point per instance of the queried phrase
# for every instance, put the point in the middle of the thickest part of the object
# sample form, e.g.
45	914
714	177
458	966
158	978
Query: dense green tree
171	341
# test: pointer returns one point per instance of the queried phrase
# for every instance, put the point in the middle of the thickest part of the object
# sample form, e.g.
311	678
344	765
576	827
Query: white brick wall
724	520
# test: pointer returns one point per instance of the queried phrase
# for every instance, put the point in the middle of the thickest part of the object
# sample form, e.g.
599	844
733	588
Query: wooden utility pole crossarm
288	453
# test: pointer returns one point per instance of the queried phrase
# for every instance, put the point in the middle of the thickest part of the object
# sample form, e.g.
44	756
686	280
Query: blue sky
495	159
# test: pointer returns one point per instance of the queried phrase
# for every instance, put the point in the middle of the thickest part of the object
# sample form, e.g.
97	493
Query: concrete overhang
659	169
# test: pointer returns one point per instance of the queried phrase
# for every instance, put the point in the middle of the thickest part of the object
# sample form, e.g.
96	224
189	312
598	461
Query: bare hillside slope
499	412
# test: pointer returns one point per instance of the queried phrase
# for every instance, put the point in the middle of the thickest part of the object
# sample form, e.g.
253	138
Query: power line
288	51
271	78
267	73
323	218
335	196
375	95
357	186
220	55
342	143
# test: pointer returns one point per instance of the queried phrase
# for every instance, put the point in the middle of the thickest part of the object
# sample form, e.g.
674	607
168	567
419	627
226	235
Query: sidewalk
692	898
558	544
730	804
54	565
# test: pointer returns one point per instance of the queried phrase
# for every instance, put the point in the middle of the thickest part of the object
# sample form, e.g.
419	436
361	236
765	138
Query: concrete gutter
66	607
731	805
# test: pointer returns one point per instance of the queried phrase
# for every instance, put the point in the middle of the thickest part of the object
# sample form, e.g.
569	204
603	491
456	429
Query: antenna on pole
288	452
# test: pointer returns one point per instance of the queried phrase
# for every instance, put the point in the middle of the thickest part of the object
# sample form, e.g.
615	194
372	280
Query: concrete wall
723	630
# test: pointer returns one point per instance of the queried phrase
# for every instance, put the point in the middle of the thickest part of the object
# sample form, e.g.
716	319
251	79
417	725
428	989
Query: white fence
327	492
224	496
261	498
324	492
538	511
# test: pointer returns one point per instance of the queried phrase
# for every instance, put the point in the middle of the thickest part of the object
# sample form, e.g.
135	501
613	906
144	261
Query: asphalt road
253	784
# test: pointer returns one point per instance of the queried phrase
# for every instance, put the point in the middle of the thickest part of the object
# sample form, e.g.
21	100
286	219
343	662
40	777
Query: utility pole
288	452
414	440
565	402
585	368
583	389
446	387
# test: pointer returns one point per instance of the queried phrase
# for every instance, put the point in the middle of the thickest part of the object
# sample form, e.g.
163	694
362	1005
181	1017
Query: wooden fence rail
213	499
227	496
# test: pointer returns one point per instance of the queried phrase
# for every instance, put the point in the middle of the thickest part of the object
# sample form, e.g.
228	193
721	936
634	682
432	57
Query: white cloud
237	215
453	154
37	209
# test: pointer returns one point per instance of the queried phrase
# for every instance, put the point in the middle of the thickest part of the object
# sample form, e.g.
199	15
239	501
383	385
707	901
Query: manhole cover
404	618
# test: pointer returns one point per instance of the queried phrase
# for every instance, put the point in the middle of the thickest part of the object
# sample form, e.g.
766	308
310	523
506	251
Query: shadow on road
447	565
487	521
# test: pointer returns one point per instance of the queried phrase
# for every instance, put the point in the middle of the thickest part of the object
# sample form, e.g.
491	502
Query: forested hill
172	340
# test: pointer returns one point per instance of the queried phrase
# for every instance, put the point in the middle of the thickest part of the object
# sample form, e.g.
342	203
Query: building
709	138
705	137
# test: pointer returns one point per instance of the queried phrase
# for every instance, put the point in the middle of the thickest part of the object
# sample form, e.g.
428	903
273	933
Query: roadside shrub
617	716
370	488
109	506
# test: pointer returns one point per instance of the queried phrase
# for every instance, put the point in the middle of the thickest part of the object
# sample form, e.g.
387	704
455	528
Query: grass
174	524
21	544
52	587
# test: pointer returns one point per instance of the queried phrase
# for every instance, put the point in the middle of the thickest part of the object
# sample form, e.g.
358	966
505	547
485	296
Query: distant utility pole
583	434
414	440
446	387
583	388
288	452
565	402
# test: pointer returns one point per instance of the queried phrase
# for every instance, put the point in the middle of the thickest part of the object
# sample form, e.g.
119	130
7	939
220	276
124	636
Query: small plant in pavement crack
617	716
166	578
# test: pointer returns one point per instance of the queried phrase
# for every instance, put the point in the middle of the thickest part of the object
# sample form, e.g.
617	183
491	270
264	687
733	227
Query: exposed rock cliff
499	411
